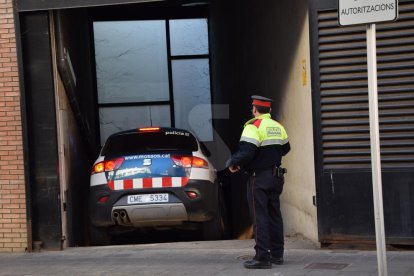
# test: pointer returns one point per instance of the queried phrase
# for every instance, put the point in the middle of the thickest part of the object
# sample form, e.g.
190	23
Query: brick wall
13	227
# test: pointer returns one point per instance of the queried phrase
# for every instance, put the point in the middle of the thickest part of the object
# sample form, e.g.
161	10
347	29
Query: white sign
366	11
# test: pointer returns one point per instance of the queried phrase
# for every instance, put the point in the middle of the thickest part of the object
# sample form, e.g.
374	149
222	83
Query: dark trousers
263	191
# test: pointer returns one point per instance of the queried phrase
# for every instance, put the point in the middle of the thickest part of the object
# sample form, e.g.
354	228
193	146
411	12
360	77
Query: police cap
261	101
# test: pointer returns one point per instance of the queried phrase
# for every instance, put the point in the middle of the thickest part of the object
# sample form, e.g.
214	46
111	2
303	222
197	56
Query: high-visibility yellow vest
264	131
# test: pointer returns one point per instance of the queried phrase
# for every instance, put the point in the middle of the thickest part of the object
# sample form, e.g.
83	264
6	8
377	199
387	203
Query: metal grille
344	91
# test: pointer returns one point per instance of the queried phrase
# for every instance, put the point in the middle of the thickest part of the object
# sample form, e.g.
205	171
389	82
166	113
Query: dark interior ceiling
35	5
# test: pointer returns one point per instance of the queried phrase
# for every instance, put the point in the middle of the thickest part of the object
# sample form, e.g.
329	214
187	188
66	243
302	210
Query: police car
154	177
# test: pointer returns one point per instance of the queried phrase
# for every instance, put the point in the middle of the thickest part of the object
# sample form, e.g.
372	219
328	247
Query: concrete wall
263	48
296	114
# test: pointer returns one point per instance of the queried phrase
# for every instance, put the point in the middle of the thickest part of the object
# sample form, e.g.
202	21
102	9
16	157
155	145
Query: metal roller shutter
344	92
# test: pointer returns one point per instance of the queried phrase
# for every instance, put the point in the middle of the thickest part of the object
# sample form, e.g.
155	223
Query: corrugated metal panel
344	91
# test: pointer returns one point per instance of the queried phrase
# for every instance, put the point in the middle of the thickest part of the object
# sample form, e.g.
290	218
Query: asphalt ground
201	258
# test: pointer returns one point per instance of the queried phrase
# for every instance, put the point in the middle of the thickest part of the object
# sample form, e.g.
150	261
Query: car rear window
132	143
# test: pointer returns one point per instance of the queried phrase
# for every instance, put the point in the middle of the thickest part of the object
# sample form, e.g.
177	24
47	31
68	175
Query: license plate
147	198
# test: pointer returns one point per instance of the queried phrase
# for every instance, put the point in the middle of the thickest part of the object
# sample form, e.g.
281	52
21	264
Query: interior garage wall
73	176
264	49
77	108
75	64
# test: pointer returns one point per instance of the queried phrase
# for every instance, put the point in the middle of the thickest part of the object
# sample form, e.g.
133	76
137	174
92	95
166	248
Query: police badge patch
273	131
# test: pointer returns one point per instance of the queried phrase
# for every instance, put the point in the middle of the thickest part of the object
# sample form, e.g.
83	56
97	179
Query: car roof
161	129
128	146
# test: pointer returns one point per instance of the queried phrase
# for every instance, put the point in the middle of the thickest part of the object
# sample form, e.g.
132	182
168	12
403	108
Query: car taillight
114	164
199	162
191	194
189	161
103	199
100	167
107	165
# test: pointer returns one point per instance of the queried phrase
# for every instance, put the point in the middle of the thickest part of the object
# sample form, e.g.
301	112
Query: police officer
262	145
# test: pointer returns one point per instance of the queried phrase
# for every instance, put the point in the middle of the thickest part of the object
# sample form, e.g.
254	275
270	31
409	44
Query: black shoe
277	261
255	264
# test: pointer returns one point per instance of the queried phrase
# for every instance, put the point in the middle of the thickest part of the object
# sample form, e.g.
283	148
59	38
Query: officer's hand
234	168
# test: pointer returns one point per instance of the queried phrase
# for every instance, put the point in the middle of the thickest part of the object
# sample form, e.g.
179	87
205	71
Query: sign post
369	12
375	150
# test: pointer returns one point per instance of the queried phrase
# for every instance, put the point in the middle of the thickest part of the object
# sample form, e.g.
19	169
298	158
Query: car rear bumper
149	214
202	208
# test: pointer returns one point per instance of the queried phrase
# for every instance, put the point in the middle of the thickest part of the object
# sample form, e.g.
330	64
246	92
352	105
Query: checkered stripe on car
147	183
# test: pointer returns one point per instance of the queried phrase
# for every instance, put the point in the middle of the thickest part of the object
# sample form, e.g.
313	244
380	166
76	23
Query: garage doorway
253	48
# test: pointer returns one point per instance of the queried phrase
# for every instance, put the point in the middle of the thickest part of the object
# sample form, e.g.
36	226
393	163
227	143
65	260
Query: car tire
100	236
217	227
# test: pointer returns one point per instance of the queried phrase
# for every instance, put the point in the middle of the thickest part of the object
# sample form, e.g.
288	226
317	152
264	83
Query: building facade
293	51
13	223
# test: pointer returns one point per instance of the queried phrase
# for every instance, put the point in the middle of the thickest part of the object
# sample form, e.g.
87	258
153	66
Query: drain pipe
68	78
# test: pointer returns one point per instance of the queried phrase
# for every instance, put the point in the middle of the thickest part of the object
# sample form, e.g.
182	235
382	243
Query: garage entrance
77	60
342	126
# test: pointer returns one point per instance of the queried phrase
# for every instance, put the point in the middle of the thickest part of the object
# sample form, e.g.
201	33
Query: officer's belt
259	170
276	171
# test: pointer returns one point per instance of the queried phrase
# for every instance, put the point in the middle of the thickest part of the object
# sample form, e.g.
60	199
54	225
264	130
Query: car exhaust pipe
120	217
123	216
116	215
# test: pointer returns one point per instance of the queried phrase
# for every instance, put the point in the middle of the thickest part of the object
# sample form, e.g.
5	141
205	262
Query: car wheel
100	236
217	227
